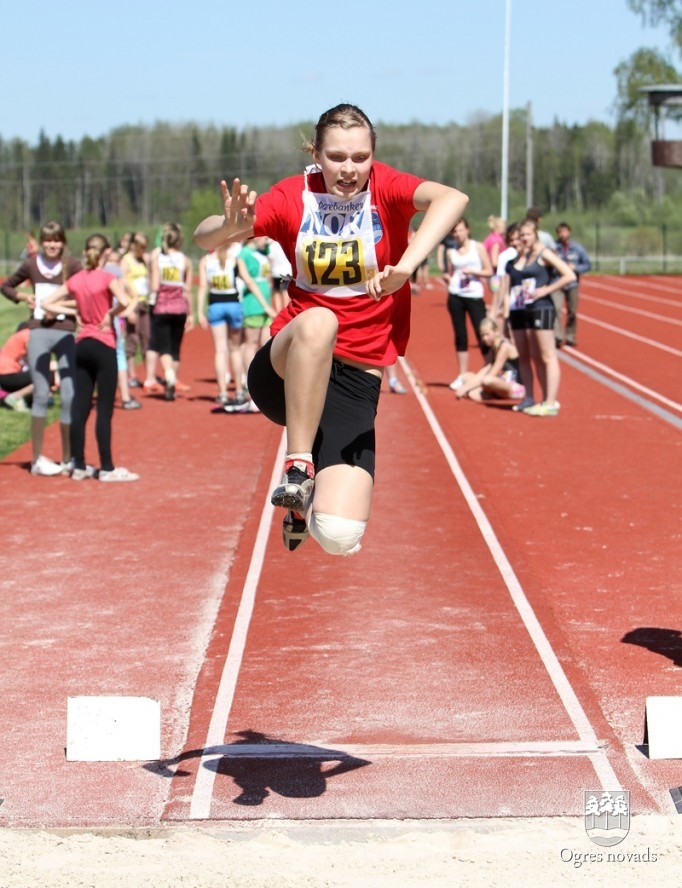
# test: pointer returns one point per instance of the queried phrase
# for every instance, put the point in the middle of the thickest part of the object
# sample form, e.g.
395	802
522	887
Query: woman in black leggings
97	297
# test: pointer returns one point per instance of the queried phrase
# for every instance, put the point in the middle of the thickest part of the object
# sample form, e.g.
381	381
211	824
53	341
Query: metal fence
600	265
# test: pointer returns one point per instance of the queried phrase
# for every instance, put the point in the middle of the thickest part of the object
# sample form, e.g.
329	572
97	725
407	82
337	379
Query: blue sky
73	71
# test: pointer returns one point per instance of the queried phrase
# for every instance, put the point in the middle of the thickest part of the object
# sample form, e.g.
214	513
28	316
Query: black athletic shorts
539	315
346	433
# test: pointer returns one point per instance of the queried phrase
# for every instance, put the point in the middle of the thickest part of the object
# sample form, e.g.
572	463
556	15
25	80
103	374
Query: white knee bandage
338	536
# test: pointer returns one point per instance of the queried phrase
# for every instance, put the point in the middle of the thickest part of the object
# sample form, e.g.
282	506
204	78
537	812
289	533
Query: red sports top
93	297
370	332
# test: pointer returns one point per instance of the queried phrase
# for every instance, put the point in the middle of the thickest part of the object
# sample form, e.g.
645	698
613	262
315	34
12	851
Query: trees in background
148	175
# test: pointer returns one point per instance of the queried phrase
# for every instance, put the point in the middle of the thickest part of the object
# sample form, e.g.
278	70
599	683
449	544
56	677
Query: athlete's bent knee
337	536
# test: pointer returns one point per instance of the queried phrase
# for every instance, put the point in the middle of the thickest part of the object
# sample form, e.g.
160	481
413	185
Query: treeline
146	175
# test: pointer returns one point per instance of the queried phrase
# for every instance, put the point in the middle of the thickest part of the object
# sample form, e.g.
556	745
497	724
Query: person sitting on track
499	377
343	225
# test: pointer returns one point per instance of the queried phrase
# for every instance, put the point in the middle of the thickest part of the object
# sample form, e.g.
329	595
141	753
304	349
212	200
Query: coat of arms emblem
607	816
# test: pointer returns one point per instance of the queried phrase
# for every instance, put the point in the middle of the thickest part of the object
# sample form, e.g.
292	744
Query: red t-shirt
93	297
369	331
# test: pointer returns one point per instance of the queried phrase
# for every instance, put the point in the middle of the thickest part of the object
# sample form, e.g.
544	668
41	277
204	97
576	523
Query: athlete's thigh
344	491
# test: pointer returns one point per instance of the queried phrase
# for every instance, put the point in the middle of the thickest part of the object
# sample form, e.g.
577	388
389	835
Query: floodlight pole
504	206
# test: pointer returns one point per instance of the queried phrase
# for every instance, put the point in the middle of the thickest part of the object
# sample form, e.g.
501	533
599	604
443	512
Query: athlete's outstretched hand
239	205
388	280
237	222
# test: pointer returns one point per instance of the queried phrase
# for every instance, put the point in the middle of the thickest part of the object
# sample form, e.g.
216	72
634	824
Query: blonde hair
491	322
344	116
95	245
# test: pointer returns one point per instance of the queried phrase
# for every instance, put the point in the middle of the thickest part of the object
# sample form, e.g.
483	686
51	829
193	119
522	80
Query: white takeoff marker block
113	729
664	727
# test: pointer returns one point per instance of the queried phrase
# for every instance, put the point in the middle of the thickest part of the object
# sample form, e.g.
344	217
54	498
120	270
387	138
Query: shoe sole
294	497
294	532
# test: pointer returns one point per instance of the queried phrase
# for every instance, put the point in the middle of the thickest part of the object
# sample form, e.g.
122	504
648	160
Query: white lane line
650	393
321	750
629	294
652	342
554	669
200	807
609	303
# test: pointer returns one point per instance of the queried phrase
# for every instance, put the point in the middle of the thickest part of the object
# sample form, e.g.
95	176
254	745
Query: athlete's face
461	232
528	236
487	335
52	249
345	160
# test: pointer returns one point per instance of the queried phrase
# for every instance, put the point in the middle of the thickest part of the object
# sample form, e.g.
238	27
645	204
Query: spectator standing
575	256
545	238
171	283
499	308
253	267
468	266
494	243
531	317
224	316
135	271
449	242
45	272
280	270
97	296
113	266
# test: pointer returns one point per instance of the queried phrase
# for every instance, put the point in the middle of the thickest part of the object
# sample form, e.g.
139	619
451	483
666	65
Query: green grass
15	428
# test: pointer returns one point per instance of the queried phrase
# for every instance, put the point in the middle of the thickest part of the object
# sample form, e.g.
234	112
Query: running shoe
131	404
239	404
297	486
294	530
169	394
396	387
16	402
68	468
153	388
134	384
522	406
46	467
118	474
457	383
543	409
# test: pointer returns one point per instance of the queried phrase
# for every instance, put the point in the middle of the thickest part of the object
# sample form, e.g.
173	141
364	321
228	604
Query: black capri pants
459	307
167	333
346	434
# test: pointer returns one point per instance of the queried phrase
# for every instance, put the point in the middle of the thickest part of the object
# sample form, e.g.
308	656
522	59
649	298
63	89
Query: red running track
488	653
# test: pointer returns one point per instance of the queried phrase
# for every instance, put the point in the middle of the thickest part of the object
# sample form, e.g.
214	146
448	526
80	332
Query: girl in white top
468	265
220	311
280	271
171	290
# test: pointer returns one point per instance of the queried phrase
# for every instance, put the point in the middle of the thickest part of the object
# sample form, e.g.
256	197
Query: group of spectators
145	313
532	277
